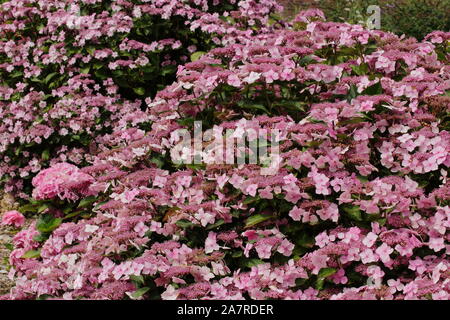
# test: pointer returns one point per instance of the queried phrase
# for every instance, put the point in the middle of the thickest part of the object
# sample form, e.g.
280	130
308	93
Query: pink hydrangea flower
62	180
13	218
383	252
211	243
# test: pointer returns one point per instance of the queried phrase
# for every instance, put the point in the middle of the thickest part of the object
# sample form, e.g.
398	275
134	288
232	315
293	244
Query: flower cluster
62	180
73	70
13	218
358	208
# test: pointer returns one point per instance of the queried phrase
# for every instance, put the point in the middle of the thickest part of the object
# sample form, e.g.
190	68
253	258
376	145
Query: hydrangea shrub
71	71
358	208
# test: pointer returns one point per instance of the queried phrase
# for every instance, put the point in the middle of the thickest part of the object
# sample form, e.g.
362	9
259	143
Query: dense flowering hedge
70	71
359	208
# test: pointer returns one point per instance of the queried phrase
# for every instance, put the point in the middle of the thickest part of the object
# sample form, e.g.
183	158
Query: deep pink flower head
63	180
13	218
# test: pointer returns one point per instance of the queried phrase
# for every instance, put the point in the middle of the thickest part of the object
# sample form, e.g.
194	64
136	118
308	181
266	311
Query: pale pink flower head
297	213
63	180
13	218
211	243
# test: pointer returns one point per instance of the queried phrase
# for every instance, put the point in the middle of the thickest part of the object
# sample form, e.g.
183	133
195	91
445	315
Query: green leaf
45	154
306	60
90	50
305	240
319	284
196	55
237	254
159	163
43	207
250	200
31	254
87	202
326	272
41	237
168	70
184	223
352	93
354	212
139	91
28	208
382	221
186	121
73	214
253	262
362	179
361	69
137	279
253	106
49	77
98	205
256	219
215	225
47	223
140	292
85	70
373	89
